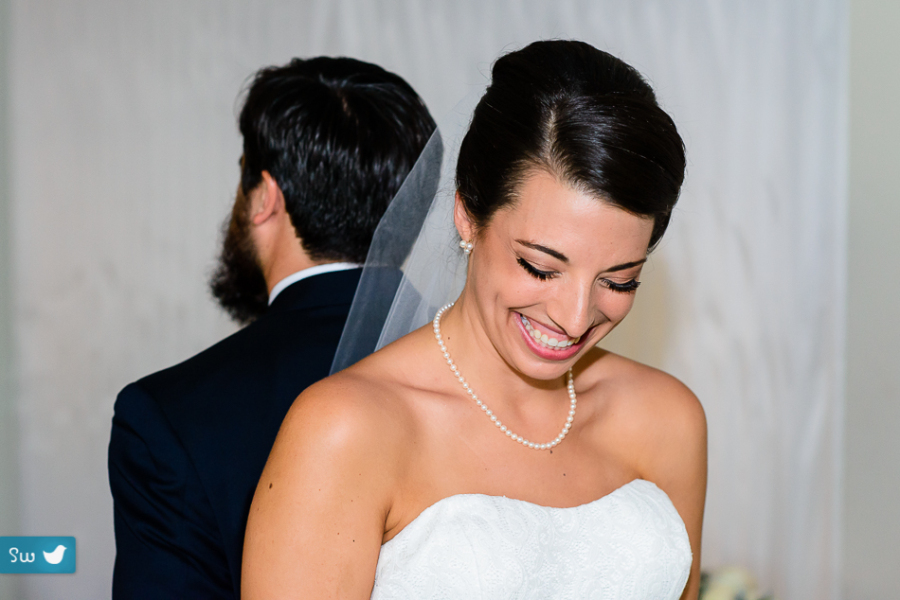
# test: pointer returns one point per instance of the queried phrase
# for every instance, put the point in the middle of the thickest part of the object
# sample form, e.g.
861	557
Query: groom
327	143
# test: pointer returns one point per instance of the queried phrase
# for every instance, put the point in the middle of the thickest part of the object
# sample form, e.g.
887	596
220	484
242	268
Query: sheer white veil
414	265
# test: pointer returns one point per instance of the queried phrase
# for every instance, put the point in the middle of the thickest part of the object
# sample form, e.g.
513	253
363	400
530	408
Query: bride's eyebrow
624	266
546	250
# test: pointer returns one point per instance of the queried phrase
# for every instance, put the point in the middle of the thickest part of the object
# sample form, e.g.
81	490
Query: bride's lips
550	353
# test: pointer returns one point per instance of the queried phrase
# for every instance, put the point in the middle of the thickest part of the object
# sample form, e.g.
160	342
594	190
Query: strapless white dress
628	545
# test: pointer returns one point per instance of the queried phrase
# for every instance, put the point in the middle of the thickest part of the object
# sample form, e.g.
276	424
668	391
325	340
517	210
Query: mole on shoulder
270	486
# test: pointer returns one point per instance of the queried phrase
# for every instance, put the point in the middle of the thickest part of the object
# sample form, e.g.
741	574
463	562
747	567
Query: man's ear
266	200
463	221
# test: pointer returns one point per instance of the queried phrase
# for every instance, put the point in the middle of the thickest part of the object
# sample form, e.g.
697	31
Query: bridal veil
414	265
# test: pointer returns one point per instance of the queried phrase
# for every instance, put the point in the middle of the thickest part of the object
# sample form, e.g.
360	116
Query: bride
498	453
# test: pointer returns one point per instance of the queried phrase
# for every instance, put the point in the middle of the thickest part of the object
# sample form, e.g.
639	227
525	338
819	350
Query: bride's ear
463	221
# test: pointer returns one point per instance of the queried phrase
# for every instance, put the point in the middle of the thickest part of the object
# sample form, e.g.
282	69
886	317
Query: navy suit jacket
189	443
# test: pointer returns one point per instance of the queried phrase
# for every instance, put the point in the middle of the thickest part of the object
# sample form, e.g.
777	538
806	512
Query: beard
237	283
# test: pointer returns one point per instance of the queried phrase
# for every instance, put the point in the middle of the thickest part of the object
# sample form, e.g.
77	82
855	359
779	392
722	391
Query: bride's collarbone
556	477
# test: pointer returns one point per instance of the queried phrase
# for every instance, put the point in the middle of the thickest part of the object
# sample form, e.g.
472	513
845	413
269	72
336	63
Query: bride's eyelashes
626	288
535	272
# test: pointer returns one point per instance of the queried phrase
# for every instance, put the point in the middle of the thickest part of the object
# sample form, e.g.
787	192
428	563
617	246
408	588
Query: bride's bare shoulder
646	398
350	403
368	402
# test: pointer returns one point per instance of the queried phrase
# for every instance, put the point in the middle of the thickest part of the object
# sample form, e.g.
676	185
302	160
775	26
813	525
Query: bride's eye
626	288
542	275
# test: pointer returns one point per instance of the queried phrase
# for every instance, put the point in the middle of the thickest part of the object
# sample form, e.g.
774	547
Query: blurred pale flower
730	583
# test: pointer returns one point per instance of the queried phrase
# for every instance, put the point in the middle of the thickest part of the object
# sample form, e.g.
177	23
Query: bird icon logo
55	557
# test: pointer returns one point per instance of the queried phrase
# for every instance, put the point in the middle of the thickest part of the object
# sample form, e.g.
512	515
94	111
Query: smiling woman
393	479
558	267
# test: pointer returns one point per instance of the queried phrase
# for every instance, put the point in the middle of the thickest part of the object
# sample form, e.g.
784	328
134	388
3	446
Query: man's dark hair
339	136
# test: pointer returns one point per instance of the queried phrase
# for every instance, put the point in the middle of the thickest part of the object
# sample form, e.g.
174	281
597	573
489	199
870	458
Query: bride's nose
573	309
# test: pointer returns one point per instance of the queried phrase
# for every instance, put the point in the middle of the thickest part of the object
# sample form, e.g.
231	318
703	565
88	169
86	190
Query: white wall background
872	523
8	421
123	164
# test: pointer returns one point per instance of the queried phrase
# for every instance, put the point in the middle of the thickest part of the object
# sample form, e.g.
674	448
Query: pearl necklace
487	411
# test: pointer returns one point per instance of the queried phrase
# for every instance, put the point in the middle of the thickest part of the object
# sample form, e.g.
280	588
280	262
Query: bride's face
553	273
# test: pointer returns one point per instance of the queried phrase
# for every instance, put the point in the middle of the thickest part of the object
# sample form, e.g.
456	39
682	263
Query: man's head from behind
337	136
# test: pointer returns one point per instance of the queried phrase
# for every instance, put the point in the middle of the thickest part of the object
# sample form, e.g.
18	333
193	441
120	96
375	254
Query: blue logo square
37	554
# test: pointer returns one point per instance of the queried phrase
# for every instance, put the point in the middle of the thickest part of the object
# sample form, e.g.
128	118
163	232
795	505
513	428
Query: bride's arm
675	457
317	519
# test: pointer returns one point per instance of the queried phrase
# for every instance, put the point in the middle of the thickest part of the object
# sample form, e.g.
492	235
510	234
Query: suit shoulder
289	345
143	446
135	407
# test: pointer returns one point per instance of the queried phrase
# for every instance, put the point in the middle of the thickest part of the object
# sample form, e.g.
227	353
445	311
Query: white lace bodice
628	545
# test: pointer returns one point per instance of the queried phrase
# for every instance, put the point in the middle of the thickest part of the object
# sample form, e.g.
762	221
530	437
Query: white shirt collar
316	270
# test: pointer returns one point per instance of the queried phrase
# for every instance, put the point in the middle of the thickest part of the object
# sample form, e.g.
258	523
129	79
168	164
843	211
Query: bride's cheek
621	307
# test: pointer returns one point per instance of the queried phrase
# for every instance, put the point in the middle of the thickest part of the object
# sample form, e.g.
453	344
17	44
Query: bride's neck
466	336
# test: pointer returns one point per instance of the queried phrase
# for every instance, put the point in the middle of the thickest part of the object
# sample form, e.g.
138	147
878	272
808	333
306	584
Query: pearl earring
466	246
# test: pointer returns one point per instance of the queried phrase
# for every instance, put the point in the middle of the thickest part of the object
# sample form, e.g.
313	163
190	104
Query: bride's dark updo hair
581	114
